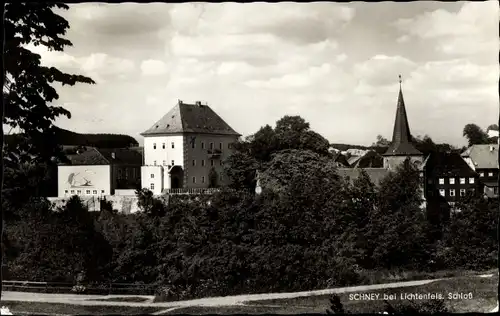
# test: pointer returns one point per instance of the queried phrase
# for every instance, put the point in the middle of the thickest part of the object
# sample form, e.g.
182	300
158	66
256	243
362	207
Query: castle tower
401	146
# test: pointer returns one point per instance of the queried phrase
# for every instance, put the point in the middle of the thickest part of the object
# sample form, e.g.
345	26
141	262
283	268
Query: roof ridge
100	154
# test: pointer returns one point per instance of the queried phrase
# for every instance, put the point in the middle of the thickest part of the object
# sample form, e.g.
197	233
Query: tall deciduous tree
475	135
28	91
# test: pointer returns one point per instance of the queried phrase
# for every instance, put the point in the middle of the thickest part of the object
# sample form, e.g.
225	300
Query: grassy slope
484	291
40	308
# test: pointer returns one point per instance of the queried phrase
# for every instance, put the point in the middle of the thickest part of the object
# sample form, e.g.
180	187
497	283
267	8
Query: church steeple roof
401	144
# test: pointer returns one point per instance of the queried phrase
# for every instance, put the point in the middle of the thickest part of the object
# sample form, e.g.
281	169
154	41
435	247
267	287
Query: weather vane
400	81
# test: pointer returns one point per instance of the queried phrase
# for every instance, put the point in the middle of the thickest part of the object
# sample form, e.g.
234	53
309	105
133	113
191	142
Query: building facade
484	160
99	172
186	148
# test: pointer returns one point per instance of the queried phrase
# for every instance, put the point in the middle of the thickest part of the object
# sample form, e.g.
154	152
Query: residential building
375	174
186	148
448	177
99	172
484	160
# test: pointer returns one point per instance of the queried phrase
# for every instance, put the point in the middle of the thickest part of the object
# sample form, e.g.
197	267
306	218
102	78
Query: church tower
401	146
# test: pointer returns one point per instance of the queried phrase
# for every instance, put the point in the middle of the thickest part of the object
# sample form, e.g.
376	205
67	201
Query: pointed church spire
401	136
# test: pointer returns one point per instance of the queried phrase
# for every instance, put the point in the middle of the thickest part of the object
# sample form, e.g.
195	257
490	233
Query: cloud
153	67
382	70
472	30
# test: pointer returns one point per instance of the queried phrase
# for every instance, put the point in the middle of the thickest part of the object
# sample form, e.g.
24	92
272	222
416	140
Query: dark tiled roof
376	174
191	118
91	156
401	136
370	160
482	156
94	156
447	164
123	156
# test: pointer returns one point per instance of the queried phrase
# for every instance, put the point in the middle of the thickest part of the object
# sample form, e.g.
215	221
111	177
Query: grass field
484	299
122	299
40	308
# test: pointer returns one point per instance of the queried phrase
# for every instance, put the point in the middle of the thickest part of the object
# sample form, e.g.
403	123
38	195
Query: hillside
69	138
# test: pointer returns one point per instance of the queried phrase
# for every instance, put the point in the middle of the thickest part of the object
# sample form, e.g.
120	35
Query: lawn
41	308
484	298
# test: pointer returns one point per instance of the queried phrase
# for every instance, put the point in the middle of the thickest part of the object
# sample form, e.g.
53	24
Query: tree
28	91
492	127
475	135
381	142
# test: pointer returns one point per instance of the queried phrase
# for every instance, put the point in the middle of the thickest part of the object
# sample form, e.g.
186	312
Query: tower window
154	145
152	186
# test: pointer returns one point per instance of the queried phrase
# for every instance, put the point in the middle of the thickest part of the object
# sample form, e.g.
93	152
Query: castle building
186	149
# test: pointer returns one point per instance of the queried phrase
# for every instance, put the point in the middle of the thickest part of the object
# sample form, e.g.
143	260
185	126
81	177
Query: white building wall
160	155
199	153
152	178
91	180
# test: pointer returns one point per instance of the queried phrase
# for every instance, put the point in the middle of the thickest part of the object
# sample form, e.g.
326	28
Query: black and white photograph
250	158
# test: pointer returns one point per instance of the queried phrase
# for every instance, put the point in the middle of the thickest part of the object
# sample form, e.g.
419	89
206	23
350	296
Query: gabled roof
448	164
94	156
401	144
483	156
376	174
190	118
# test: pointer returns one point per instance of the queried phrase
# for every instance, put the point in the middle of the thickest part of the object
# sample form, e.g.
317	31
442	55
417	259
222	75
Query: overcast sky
334	64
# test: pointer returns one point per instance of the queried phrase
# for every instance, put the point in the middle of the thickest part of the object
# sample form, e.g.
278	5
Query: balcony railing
214	153
190	191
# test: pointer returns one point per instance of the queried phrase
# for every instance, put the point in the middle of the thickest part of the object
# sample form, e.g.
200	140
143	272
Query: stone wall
123	204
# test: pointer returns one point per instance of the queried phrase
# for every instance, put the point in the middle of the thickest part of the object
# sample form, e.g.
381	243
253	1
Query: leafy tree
475	135
492	127
381	142
149	204
396	233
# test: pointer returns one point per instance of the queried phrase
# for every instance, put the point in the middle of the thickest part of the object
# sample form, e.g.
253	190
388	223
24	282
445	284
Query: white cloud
382	70
153	67
472	30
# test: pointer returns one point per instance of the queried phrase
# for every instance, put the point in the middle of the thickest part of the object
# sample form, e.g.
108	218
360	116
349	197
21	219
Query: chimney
179	101
492	148
198	103
113	155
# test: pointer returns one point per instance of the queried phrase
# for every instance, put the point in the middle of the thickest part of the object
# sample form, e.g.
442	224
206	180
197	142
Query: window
229	146
471	180
194	179
462	180
490	174
481	174
102	191
94	192
88	191
462	192
220	146
194	162
211	162
452	192
202	179
441	180
79	192
441	191
203	163
72	191
173	163
202	145
173	146
154	162
163	146
154	145
452	180
152	176
211	145
193	145
152	186
65	191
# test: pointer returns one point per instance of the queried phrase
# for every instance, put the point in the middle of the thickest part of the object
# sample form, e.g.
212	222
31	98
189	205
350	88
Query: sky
334	64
